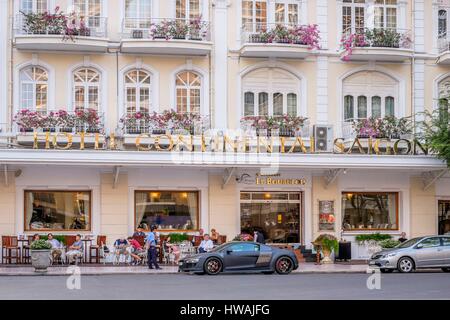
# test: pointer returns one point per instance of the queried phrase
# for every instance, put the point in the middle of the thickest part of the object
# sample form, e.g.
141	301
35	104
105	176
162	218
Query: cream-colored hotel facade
224	60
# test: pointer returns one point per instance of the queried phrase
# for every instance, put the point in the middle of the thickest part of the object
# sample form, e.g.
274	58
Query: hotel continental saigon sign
219	143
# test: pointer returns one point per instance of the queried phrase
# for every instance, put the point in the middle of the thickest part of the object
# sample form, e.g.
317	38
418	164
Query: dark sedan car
241	257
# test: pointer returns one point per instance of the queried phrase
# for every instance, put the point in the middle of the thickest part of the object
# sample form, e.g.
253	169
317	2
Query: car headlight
195	260
390	255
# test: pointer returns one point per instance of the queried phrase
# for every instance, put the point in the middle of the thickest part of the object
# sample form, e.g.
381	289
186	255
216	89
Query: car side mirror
419	246
229	251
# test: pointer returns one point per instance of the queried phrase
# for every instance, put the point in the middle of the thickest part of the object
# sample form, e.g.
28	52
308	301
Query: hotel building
220	60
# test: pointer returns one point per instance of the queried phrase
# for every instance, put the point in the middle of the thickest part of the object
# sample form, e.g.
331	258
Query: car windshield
409	243
218	248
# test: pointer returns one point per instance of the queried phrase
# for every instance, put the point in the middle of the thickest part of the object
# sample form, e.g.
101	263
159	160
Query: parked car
241	257
423	252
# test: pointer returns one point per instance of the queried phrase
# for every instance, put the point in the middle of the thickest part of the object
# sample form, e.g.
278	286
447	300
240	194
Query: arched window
272	91
34	89
33	6
188	9
376	94
188	92
442	23
86	89
137	91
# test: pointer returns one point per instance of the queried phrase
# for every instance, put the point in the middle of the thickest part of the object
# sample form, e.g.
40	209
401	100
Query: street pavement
423	285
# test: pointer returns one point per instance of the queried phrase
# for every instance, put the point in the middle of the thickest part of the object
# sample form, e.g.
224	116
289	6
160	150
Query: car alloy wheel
284	265
213	266
405	265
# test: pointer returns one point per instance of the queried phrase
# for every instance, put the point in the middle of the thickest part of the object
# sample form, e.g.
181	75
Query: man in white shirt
206	245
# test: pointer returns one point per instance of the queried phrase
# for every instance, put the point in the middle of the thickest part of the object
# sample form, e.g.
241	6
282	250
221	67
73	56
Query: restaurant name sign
225	143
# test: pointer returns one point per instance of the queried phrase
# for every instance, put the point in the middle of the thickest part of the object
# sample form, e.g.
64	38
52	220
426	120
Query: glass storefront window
275	214
169	210
57	210
370	211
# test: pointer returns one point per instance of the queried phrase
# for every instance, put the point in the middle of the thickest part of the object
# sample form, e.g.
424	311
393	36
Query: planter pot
41	260
27	130
158	131
48	130
134	131
326	256
93	131
137	34
66	130
179	38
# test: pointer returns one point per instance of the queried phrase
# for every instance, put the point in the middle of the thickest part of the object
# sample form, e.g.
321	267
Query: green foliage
178	237
389	243
61	239
436	131
40	245
327	242
378	237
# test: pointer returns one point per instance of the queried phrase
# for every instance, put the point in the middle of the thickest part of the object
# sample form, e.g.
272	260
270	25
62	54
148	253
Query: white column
4	45
419	26
435	19
402	14
322	90
322	21
419	89
220	64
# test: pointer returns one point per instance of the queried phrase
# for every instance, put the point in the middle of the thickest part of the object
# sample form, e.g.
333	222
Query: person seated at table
56	247
139	233
36	237
75	250
172	249
214	236
206	245
120	247
135	249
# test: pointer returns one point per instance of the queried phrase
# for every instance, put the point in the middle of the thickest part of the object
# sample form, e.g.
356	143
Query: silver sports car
422	252
241	257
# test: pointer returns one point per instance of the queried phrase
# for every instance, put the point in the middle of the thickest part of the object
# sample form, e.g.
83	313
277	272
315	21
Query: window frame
137	86
34	6
397	211
197	192
353	7
254	28
369	105
139	18
385	8
286	12
34	83
27	229
187	10
86	85
188	87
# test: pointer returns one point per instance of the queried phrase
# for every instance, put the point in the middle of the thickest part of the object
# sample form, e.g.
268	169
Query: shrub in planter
40	255
389	243
327	243
178	237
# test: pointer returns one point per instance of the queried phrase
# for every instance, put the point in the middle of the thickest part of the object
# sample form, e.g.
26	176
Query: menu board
326	216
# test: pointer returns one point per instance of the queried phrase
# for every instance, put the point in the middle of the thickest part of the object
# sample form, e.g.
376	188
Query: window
34	89
86	90
169	210
275	214
92	9
444	217
446	241
35	6
370	211
370	94
57	210
188	9
286	13
244	247
254	15
353	16
137	91
442	23
188	92
386	14
431	242
138	14
270	91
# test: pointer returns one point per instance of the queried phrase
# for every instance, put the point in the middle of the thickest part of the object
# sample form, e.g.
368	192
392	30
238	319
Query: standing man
402	237
151	247
258	237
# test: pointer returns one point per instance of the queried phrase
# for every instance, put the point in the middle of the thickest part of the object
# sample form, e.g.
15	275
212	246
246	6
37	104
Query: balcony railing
166	29
92	26
301	35
378	38
444	43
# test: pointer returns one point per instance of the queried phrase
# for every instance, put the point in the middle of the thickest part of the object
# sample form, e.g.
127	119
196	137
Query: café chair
26	256
95	249
10	250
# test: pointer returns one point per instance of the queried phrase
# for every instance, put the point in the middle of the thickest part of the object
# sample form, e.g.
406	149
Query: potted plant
28	120
179	30
389	243
371	242
327	243
197	29
65	121
40	255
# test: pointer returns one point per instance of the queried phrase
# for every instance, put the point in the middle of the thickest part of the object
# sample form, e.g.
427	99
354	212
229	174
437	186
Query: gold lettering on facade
69	141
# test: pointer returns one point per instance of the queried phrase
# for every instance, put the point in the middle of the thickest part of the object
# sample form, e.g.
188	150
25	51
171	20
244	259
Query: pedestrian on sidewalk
152	252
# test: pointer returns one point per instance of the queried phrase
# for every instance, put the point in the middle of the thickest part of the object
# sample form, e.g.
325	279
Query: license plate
180	263
372	263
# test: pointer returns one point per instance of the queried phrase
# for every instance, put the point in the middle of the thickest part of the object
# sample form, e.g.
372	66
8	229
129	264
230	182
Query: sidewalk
111	270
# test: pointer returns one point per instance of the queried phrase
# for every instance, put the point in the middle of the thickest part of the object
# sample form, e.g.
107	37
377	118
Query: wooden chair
197	240
96	249
10	250
26	257
222	239
69	240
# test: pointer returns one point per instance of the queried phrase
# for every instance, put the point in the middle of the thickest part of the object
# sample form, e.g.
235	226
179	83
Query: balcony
166	37
444	50
278	41
61	34
377	45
